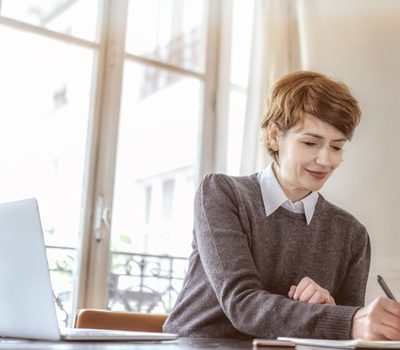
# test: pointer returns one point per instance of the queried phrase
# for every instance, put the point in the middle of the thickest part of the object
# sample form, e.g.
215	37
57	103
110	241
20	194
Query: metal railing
137	282
61	265
145	282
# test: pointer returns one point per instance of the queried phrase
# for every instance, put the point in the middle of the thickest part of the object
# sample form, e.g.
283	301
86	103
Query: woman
271	256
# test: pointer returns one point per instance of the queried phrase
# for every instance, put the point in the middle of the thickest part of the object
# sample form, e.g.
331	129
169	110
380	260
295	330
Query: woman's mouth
320	175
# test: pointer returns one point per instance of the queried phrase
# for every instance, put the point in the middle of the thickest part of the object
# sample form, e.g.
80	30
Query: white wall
358	42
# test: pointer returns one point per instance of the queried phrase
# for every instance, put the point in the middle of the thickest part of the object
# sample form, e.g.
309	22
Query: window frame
95	253
92	266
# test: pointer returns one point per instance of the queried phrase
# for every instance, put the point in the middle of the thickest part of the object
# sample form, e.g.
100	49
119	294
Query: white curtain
275	51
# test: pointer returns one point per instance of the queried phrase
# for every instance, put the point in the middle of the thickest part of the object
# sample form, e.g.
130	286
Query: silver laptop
27	307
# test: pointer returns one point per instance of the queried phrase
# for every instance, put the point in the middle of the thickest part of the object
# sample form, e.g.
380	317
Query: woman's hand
379	320
310	292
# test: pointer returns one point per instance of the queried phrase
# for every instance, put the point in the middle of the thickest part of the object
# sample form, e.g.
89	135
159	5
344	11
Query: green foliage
119	261
125	238
64	264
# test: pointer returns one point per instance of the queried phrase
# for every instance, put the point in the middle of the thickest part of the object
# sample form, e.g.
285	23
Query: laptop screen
26	297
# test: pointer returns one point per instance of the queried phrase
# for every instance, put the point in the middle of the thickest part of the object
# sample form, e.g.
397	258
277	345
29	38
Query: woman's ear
273	136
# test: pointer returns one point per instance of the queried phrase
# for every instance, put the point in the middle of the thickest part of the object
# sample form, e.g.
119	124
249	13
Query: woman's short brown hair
297	95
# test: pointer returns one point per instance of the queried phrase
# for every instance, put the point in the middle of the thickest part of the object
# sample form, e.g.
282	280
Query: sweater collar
274	197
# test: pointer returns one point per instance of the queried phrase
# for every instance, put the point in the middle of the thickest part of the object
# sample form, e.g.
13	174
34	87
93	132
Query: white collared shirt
274	197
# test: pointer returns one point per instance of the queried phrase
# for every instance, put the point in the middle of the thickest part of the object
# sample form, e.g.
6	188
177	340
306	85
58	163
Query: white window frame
95	253
91	285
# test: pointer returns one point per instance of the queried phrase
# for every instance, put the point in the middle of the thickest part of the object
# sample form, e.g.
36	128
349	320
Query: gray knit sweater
243	264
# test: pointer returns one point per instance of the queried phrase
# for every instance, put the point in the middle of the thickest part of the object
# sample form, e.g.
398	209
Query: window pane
43	125
154	188
73	17
237	112
242	27
171	31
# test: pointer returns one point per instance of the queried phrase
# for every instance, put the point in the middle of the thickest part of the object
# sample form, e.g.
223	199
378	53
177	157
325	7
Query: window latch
101	216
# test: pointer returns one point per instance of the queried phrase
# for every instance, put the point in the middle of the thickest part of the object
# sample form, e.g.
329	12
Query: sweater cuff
336	322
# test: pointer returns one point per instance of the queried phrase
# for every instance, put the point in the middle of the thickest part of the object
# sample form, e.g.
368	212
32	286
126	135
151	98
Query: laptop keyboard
108	334
88	332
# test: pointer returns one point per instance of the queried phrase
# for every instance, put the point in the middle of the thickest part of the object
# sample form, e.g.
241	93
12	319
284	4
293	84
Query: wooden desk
179	344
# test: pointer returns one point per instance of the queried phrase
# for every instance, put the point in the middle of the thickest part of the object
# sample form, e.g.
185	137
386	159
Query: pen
385	287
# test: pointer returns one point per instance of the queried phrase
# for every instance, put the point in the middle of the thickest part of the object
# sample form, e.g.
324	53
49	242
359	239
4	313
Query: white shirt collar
274	197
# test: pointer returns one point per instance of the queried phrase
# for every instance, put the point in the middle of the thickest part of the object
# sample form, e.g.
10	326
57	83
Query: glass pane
242	27
237	112
171	31
154	188
43	128
73	17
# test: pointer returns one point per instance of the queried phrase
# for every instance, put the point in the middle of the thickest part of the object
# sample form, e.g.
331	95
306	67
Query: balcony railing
61	264
137	282
145	282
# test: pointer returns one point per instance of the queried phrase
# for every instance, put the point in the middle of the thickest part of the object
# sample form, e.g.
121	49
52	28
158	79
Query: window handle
102	216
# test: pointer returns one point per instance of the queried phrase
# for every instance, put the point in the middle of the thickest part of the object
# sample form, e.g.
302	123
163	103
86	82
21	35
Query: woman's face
308	155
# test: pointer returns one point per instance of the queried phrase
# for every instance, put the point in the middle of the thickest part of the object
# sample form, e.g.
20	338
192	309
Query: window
161	105
242	26
46	87
168	196
147	203
109	121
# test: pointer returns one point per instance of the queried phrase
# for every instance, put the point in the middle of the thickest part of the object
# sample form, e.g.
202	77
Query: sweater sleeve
227	261
353	288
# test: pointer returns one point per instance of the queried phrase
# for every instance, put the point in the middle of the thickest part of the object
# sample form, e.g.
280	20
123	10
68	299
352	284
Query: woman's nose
324	158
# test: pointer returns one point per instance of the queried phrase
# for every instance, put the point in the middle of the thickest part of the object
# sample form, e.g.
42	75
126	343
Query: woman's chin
314	187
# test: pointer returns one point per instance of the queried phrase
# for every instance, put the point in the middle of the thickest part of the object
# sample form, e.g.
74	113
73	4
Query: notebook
345	344
27	307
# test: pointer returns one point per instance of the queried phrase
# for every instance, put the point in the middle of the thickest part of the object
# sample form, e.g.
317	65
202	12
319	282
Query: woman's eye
310	144
336	148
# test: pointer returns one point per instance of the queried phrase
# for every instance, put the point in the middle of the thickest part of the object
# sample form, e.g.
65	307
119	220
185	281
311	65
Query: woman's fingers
318	297
307	293
310	292
379	320
391	318
303	284
291	292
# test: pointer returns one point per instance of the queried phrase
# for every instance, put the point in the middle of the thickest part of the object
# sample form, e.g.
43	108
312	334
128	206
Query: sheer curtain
275	51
